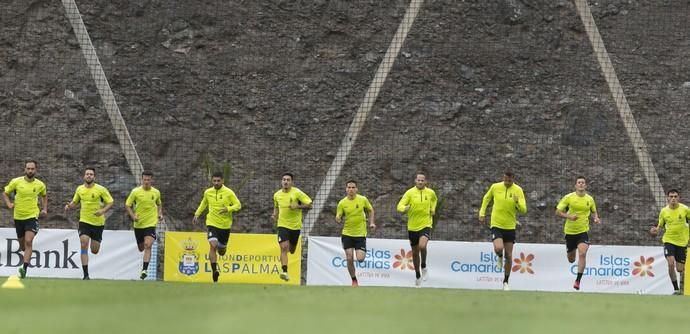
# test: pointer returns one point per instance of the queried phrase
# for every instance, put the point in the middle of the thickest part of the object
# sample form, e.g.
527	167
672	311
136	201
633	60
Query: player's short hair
217	174
580	177
672	190
91	169
147	172
508	172
29	160
351	181
292	177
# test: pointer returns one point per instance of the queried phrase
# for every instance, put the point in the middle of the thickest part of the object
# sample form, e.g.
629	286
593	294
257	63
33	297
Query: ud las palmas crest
189	260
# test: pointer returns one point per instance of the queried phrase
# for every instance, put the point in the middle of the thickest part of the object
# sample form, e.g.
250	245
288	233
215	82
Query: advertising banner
56	253
250	258
472	265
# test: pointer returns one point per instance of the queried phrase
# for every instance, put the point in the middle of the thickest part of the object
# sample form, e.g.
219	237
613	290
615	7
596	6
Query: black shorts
285	233
678	252
506	235
24	225
92	231
415	235
572	240
140	233
219	234
354	242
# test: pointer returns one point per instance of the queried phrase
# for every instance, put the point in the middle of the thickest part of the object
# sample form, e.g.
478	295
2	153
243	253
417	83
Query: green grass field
74	306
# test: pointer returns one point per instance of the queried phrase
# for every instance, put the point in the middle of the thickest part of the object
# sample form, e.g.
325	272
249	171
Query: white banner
472	265
56	253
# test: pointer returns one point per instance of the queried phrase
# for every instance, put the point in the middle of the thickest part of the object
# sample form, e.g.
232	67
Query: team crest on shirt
189	260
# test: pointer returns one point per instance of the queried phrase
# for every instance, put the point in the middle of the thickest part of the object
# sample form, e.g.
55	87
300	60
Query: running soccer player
145	207
674	218
419	202
221	202
356	209
288	203
95	201
508	199
27	190
576	207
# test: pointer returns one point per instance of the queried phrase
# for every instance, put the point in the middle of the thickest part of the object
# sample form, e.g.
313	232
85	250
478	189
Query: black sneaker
143	274
86	278
216	274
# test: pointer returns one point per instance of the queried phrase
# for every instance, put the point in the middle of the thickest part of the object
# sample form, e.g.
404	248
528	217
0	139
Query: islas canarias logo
643	267
403	260
523	264
189	259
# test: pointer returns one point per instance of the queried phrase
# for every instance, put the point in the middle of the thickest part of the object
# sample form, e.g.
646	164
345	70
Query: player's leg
284	243
28	250
414	237
148	244
582	249
19	229
84	251
213	258
349	257
508	254
294	240
497	240
680	257
423	242
670	254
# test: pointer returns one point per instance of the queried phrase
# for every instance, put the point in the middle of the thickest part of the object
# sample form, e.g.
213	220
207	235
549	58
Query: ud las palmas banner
250	258
472	265
56	254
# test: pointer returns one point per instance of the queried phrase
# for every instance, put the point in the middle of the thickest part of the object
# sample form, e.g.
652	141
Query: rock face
272	86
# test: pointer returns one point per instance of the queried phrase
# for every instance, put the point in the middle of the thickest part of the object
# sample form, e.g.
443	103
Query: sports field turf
99	306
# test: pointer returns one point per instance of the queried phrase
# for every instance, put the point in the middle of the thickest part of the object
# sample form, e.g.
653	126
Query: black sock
214	266
285	268
423	265
146	266
505	278
354	278
86	270
26	265
675	285
417	273
579	277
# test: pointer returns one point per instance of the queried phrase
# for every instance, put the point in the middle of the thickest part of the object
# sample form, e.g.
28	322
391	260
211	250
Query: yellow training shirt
422	204
216	199
676	222
290	218
582	206
92	199
26	197
145	203
355	224
504	211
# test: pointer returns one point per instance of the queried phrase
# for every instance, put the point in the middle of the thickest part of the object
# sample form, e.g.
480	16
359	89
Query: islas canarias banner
250	258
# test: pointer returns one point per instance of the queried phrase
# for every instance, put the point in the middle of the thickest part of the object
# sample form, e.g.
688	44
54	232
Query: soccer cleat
284	276
425	274
22	272
499	262
418	282
506	287
86	278
576	285
216	274
354	283
677	293
143	274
